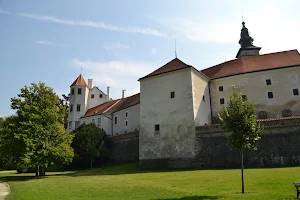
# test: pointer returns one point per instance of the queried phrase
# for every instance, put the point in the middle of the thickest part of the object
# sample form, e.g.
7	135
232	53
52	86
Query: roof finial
175	49
81	70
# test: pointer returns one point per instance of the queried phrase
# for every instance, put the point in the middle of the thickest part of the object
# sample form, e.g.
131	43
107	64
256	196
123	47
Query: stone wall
125	147
279	146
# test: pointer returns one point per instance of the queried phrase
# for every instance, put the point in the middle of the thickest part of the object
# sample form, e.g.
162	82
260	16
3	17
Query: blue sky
117	42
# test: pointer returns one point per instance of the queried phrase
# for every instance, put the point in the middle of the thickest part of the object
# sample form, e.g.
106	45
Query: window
172	95
70	125
203	98
99	121
83	122
222	101
126	123
156	127
126	114
268	82
244	97
116	120
100	95
76	124
78	108
221	88
296	92
71	108
92	96
79	91
270	95
72	91
93	121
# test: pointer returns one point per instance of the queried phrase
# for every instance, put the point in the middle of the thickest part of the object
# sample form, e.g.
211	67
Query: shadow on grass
24	177
194	198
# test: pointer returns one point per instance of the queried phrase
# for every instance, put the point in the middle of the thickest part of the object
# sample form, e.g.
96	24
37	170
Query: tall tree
37	131
63	106
89	143
1	122
238	120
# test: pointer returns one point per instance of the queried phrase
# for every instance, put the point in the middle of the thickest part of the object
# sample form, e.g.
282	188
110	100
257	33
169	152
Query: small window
156	127
203	98
296	92
71	108
99	121
126	114
93	121
79	91
221	88
78	108
244	97
270	95
76	124
100	95
70	125
72	91
83	122
126	123
172	95
222	101
268	82
92	96
116	120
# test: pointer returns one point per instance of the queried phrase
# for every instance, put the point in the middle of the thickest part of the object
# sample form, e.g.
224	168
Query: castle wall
133	120
176	135
283	81
125	147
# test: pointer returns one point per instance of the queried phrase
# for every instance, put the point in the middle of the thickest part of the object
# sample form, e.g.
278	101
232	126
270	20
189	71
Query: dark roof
173	65
79	81
249	64
100	109
130	101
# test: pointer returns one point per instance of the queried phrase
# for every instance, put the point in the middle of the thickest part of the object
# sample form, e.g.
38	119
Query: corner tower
78	102
246	42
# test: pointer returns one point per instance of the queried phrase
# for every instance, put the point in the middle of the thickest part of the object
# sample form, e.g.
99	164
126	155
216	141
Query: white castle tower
79	94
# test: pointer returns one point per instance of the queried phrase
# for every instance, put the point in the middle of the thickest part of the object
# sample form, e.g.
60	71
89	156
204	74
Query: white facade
102	121
96	97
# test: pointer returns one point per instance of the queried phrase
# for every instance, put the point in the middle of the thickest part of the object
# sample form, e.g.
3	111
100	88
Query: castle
177	98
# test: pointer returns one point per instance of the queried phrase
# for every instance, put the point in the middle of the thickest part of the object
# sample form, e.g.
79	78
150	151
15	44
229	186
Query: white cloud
93	24
108	47
4	12
153	51
116	74
47	42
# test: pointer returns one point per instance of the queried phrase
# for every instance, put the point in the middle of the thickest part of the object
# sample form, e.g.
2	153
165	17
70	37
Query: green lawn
128	182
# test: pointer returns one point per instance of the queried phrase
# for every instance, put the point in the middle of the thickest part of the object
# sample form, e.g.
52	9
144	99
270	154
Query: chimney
123	94
107	93
90	83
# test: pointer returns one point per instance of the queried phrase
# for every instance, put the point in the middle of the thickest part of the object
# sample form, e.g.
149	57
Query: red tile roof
279	119
130	101
100	109
173	65
254	63
79	81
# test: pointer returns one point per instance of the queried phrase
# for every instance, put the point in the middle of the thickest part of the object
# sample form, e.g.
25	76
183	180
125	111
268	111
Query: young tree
89	142
238	120
37	131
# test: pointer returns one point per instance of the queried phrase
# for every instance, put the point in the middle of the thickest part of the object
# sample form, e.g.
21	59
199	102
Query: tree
36	133
1	122
63	106
88	143
238	120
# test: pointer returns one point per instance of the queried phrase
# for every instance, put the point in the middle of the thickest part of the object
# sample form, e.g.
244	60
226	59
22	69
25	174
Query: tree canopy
36	134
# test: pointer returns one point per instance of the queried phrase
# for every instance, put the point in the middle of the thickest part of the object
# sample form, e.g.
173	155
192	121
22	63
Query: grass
128	182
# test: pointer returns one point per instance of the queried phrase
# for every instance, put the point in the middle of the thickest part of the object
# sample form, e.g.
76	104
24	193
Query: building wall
201	99
175	116
96	100
283	81
106	123
133	120
76	99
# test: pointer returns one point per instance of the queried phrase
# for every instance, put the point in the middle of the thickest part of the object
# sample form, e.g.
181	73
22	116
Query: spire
246	43
79	81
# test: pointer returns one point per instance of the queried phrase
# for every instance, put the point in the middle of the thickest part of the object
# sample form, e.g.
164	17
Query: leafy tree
88	143
1	122
63	105
238	120
36	134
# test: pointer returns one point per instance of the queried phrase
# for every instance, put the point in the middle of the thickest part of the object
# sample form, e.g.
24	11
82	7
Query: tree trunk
37	169
43	171
242	167
92	162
